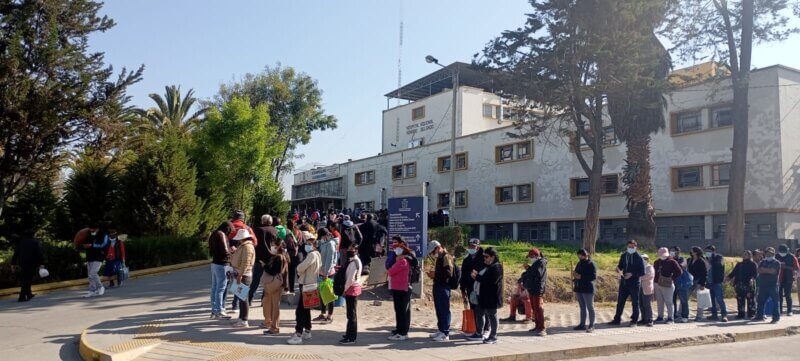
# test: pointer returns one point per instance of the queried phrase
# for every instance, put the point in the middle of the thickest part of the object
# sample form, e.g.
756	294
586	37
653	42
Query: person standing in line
682	287
630	269
29	257
401	293
667	273
716	278
327	245
294	241
218	247
789	271
352	287
307	272
350	235
675	253
473	262
95	246
699	268
276	269
115	257
489	287
646	296
535	282
265	236
769	272
583	279
242	261
366	249
743	277
441	275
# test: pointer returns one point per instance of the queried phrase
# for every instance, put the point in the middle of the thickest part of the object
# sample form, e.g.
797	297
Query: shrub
454	239
157	251
62	260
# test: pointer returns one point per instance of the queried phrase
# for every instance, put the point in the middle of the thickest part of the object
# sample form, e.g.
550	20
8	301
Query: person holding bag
275	271
667	273
307	272
242	261
352	268
326	245
698	267
115	257
489	287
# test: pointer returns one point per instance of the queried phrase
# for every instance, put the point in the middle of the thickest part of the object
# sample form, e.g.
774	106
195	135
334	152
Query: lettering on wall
419	127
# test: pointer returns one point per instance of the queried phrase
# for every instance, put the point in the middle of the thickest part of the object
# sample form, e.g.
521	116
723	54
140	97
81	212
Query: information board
408	218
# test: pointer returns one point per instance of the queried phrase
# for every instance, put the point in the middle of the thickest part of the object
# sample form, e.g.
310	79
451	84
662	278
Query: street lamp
454	76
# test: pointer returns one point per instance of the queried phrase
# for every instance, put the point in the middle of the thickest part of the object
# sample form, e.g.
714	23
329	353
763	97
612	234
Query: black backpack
453	282
340	279
414	272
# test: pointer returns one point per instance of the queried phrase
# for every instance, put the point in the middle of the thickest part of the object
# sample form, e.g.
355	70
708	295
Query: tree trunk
735	221
641	225
592	220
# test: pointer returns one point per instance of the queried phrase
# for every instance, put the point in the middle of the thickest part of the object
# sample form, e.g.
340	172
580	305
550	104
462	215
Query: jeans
95	283
664	298
402	311
352	317
218	284
785	292
763	294
683	295
625	291
258	271
646	303
244	306
717	300
302	315
441	301
490	317
586	304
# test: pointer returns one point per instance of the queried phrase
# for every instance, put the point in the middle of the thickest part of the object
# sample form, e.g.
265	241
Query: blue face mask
631	250
309	248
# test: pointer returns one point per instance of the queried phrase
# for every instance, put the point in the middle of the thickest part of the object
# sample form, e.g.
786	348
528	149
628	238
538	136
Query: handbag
326	291
703	299
468	321
311	296
663	281
240	290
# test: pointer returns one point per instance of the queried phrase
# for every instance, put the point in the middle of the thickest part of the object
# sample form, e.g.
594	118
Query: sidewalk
186	333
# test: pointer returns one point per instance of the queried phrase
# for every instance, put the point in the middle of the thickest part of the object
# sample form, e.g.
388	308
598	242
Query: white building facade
535	190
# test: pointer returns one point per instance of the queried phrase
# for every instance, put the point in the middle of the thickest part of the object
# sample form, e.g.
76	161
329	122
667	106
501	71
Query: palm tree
171	112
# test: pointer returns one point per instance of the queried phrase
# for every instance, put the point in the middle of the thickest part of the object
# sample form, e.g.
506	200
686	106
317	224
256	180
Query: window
414	143
461	199
609	137
418	113
504	153
444	200
678	232
443	163
367	177
397	172
686	122
764	229
523	150
610	184
408	170
524	193
516	151
721	117
580	186
488	111
687	177
721	174
564	233
411	170
366	206
504	194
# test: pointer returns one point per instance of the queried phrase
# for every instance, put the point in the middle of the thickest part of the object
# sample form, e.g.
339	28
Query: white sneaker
398	338
101	291
442	338
240	324
684	320
435	335
90	294
295	340
486	334
306	335
224	316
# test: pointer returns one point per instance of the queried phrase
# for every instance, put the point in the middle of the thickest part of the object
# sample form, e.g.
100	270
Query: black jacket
28	254
536	277
588	272
744	273
491	290
265	235
717	269
633	264
470	263
443	270
368	230
699	270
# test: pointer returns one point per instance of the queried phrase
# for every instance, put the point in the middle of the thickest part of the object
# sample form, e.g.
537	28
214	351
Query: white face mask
783	254
309	248
672	254
273	250
663	257
708	254
533	259
398	251
770	258
631	250
471	250
94	233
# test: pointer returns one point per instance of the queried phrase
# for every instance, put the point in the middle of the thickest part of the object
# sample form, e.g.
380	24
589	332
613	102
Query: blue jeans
717	300
765	293
683	295
218	284
441	301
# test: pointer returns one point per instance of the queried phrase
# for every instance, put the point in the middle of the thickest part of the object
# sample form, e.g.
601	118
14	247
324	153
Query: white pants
94	279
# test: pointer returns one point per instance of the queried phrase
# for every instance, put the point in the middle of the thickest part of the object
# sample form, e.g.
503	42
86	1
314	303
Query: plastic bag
43	273
326	291
703	299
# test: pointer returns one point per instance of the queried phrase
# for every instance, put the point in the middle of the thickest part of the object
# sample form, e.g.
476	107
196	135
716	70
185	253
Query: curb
89	353
610	350
81	282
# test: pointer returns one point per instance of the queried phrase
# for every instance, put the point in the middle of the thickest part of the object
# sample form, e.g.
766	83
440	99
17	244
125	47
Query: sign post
408	218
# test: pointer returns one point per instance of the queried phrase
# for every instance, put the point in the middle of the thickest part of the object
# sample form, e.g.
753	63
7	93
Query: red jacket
239	224
111	254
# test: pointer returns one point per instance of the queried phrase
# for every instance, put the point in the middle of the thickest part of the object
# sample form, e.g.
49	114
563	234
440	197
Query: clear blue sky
350	47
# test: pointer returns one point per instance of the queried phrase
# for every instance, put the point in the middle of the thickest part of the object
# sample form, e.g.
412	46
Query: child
647	292
115	258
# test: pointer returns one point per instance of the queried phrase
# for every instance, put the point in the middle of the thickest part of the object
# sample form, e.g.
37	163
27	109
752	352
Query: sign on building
408	218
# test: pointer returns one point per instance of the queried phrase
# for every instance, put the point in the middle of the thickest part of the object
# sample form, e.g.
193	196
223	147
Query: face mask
398	251
351	254
309	248
663	258
94	233
273	250
708	255
672	254
770	258
783	254
471	251
631	250
533	259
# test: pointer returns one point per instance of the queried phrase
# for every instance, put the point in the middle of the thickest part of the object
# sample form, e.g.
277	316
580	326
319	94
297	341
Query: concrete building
535	190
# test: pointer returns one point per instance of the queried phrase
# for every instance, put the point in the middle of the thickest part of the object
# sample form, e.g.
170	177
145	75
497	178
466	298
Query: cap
644	256
242	234
534	252
474	242
663	252
238	214
432	246
308	235
347	223
346	218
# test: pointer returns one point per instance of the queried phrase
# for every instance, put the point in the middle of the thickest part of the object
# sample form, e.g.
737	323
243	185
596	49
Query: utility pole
451	215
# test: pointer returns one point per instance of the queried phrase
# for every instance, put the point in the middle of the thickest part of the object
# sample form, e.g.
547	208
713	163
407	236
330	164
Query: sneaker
398	338
214	316
660	319
712	318
723	319
347	341
442	338
435	335
579	328
540	333
614	323
527	320
295	340
649	324
486	334
320	318
306	335
90	294
698	319
684	320
590	329
271	333
670	321
328	320
759	319
224	316
490	341
101	291
632	324
475	337
240	324
509	319
774	321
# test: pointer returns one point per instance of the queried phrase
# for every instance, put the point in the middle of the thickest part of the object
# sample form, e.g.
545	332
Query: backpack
340	279
685	281
415	271
281	232
453	282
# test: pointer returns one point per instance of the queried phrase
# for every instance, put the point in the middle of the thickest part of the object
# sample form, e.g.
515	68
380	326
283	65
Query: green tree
31	210
89	193
157	192
172	113
295	108
54	90
234	146
725	30
269	200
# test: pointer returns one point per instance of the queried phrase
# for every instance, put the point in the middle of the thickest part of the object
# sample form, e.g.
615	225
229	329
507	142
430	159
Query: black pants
244	306
488	320
352	317
25	281
293	273
302	315
402	311
625	291
745	301
365	255
258	270
327	309
785	293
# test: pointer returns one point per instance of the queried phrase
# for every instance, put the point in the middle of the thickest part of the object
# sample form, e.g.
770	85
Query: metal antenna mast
400	55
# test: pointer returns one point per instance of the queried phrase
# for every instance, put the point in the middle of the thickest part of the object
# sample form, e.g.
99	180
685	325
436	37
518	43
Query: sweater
398	274
536	277
699	269
352	284
308	270
789	267
327	252
470	263
218	247
647	279
769	280
667	268
243	258
28	254
265	235
588	272
717	274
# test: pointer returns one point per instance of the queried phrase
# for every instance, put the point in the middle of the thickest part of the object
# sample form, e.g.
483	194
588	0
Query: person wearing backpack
743	277
351	290
682	287
401	292
442	274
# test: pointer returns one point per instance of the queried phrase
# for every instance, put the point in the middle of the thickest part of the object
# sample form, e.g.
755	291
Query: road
51	323
772	349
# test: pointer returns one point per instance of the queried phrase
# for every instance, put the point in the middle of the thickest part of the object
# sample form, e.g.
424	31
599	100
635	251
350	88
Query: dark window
444	200
689	177
397	172
524	193
504	194
523	150
504	153
610	184
580	187
721	174
418	113
688	122
461	198
721	117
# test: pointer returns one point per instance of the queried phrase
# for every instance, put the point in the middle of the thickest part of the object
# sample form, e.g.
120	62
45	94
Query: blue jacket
327	252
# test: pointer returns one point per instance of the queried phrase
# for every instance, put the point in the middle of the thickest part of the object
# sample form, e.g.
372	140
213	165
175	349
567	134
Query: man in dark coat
368	231
535	282
472	262
28	256
630	268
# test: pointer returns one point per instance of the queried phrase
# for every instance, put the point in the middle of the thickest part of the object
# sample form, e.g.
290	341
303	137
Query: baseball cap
474	242
432	246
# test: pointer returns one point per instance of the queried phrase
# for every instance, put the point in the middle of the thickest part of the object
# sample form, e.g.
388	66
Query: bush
62	260
157	251
453	239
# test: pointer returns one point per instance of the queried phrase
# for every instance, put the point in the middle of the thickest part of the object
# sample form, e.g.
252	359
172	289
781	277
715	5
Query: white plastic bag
703	299
43	273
